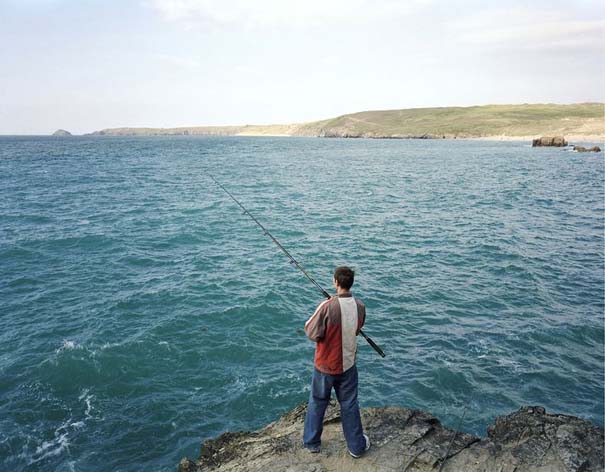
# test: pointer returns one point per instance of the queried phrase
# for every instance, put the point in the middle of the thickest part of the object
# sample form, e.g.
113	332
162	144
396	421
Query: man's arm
315	327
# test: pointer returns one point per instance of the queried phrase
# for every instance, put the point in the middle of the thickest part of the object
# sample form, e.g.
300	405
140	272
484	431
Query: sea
143	312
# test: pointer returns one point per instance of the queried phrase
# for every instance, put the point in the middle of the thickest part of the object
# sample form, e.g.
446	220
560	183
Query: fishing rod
293	261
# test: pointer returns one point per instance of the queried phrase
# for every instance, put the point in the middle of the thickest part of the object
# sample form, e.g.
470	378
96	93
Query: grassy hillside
582	119
480	121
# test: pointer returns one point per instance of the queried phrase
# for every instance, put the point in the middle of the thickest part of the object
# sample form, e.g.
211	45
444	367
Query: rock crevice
412	440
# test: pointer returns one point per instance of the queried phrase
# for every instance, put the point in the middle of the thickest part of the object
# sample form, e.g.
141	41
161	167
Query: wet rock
412	440
583	149
557	141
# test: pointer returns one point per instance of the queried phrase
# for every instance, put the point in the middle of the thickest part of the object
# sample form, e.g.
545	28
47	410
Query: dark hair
345	276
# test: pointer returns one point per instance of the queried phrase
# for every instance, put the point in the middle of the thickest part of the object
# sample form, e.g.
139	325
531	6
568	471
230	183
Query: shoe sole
356	456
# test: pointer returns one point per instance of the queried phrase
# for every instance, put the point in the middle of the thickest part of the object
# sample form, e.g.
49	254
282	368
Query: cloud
280	13
530	29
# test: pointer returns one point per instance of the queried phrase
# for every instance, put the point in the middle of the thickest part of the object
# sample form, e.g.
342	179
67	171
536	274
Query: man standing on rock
334	327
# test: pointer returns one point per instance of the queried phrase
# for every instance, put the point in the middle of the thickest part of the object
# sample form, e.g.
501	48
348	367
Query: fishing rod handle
375	346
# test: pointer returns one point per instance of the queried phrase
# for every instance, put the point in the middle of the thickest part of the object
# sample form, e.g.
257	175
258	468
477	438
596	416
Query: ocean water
143	313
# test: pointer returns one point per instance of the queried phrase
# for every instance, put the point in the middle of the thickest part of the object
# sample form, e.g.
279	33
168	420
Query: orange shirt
334	326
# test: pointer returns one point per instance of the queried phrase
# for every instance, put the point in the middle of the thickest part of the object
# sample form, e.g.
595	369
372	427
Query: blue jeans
345	386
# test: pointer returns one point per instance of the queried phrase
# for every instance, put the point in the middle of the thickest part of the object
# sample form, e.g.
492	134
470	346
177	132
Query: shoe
357	456
313	449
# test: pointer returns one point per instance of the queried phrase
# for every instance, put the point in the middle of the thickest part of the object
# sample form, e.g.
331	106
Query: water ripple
142	311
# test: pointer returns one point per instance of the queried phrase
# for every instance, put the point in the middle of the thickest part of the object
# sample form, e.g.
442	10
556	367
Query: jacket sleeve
361	315
315	327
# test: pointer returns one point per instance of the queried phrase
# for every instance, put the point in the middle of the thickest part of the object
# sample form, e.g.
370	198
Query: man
334	327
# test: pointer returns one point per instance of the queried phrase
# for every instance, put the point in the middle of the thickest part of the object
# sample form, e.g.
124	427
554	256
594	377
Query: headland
578	122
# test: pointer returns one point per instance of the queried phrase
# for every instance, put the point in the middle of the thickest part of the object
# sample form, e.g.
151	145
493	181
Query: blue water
142	312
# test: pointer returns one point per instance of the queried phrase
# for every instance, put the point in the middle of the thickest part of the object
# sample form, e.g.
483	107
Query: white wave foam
110	345
510	363
61	441
56	446
87	398
481	348
68	346
51	448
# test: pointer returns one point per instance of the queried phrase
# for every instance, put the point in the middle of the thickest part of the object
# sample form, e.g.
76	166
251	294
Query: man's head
344	277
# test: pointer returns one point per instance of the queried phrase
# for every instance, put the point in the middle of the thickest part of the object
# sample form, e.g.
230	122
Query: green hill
489	121
586	119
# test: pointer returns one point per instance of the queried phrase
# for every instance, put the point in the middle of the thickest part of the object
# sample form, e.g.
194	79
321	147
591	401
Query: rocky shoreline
412	441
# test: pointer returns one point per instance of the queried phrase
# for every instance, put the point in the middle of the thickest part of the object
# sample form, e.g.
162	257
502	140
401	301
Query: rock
583	149
62	132
412	440
557	141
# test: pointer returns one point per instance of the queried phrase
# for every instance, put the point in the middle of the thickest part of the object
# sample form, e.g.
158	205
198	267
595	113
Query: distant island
577	121
62	132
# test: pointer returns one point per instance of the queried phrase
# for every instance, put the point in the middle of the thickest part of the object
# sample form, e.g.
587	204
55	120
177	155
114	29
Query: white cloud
281	13
530	29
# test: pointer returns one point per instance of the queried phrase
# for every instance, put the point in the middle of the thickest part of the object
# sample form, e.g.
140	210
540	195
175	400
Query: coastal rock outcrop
557	141
411	440
62	132
583	149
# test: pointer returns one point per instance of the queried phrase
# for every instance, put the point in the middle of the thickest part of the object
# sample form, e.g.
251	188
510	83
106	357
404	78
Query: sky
85	65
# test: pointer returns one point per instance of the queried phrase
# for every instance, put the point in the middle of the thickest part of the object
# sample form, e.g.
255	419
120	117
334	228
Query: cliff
577	121
247	130
410	440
